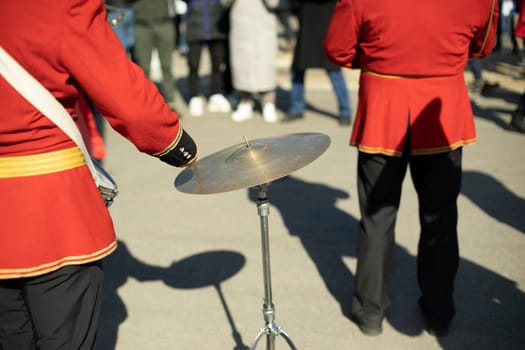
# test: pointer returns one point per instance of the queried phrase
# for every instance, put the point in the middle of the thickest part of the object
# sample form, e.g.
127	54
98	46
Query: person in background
506	42
154	29
283	13
517	121
179	21
91	133
314	17
56	229
413	112
207	25
122	19
253	53
479	85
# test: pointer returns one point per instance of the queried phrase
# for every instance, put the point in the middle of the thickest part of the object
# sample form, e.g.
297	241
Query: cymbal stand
270	328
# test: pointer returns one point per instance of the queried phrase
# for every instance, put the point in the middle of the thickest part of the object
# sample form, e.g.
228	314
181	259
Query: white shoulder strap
44	101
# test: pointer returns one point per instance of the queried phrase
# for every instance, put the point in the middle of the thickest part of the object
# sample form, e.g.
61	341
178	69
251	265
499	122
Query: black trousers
437	180
219	66
55	311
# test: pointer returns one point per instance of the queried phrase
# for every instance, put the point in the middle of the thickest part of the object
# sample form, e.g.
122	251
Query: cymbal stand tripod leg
270	329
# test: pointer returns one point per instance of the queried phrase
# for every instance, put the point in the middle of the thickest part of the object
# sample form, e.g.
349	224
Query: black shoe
367	326
433	326
489	88
437	330
517	122
292	117
345	121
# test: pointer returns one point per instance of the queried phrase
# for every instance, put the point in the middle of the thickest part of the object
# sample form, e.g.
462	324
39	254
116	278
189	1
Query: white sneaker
270	113
219	103
196	106
243	112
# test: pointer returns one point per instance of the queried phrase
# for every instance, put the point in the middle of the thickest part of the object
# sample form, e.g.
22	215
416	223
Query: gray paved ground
188	272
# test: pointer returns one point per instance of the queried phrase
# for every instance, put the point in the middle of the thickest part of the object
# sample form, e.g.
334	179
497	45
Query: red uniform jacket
56	219
412	56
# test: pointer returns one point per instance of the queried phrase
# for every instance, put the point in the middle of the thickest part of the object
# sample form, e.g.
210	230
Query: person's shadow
494	198
490	307
209	269
499	116
202	270
327	233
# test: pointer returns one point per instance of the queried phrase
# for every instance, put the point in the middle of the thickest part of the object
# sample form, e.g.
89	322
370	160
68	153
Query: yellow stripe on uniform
39	164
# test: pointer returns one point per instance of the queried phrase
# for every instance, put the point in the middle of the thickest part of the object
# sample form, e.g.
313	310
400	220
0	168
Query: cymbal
251	163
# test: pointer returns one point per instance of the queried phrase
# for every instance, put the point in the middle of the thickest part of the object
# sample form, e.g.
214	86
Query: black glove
183	153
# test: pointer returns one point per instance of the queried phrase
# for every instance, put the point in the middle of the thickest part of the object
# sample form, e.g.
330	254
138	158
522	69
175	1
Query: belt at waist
39	164
393	76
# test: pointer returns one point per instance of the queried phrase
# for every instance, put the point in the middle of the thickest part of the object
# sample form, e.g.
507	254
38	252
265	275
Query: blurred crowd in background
243	39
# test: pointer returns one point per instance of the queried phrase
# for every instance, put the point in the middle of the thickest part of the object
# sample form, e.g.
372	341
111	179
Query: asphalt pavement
188	273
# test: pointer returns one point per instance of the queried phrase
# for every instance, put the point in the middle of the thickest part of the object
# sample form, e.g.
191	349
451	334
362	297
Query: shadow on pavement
490	307
197	271
492	114
488	193
510	65
326	232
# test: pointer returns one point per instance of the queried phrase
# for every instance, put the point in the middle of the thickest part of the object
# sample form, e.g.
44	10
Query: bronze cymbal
251	163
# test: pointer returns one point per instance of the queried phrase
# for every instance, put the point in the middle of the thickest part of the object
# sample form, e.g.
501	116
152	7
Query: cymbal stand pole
270	329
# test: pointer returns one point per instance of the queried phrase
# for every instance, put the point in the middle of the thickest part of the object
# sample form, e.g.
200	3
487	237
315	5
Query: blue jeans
125	27
476	66
297	94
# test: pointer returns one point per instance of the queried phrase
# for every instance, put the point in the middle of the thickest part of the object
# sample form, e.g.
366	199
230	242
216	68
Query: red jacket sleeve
340	42
131	103
485	39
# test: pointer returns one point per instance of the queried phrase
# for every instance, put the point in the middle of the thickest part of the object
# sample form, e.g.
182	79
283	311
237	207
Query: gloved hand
183	153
